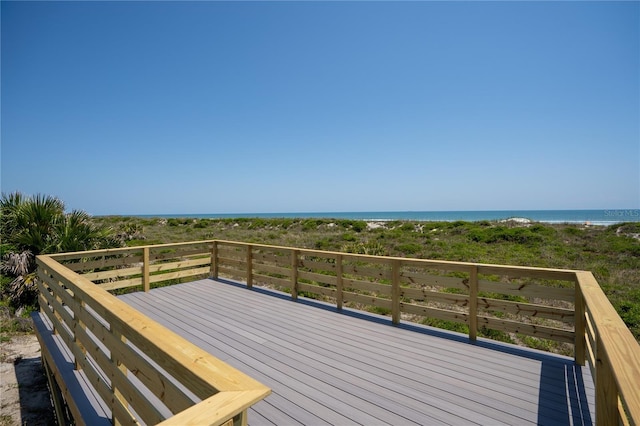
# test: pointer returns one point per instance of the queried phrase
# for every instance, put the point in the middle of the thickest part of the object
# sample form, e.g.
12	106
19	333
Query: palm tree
39	225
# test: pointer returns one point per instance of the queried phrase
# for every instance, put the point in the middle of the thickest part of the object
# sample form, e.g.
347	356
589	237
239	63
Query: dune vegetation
611	253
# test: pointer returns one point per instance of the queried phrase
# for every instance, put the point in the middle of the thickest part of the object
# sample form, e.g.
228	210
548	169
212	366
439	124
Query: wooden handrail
599	334
617	357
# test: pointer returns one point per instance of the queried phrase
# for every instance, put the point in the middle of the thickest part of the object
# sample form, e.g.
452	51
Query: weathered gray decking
326	367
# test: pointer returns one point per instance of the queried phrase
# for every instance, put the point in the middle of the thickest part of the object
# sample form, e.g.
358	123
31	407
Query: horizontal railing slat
125	272
384	289
322	278
418	278
436	313
528	290
116	285
434	296
178	274
534	330
367	300
163	388
280	282
325	291
180	264
528	309
261	268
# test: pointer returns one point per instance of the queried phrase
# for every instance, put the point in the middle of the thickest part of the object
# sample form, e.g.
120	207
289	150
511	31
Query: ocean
592	217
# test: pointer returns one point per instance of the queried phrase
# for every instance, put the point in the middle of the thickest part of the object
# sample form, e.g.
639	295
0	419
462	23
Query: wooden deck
326	367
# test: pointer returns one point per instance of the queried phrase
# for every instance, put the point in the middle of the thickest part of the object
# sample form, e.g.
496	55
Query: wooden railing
551	304
143	372
613	355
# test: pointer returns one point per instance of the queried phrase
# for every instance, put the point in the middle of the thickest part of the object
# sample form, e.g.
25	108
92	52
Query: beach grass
612	253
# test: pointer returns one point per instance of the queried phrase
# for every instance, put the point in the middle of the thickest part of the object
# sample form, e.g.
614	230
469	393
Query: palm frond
18	264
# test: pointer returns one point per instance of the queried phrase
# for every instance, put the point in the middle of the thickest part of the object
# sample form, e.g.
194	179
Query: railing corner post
145	268
339	284
580	326
249	270
214	261
395	291
473	303
294	274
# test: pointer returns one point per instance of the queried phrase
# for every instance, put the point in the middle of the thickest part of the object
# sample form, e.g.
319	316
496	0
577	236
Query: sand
24	394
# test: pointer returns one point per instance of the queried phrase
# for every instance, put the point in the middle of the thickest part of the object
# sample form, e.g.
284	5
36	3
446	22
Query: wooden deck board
355	368
441	359
378	366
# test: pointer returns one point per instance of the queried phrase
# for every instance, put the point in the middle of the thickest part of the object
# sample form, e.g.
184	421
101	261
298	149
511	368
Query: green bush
359	226
348	237
202	223
409	248
526	236
447	325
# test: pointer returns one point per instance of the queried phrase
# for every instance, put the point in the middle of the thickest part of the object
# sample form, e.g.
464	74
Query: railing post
339	295
606	390
580	326
145	268
77	324
294	274
240	419
249	271
395	291
214	261
117	395
473	302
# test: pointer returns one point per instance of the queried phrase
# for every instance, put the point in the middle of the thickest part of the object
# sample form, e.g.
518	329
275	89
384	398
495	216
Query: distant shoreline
585	217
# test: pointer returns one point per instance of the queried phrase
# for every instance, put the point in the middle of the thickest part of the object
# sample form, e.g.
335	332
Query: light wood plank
442	314
540	331
421	294
528	290
529	310
620	347
321	278
115	273
382	289
418	278
366	300
310	288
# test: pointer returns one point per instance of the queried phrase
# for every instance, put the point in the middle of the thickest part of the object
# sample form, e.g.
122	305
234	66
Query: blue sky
218	107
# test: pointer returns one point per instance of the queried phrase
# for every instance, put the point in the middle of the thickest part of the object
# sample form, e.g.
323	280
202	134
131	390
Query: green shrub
359	226
311	224
409	248
526	236
378	310
324	244
500	336
370	248
447	325
408	227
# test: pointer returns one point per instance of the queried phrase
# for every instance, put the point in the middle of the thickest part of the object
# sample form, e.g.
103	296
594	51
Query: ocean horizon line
586	216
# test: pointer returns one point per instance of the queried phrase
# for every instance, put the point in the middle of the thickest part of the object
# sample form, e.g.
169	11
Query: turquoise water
594	217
